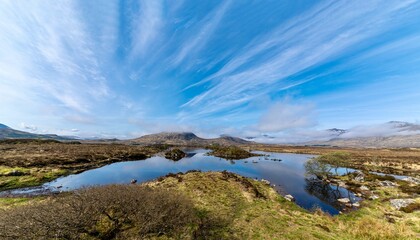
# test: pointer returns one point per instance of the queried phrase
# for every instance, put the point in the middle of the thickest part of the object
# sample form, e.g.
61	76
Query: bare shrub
123	211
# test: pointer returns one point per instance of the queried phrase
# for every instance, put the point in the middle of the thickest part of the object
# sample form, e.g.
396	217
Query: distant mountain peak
172	135
2	126
186	138
337	131
404	126
234	139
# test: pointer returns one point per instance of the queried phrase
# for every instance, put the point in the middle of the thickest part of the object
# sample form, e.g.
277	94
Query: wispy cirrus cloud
53	59
211	67
202	34
147	25
317	36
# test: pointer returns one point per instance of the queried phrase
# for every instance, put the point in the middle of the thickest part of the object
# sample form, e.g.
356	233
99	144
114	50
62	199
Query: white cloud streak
313	38
49	55
148	25
202	36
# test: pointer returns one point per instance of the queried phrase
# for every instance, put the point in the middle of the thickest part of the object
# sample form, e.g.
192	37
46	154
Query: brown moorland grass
402	161
31	162
247	215
212	205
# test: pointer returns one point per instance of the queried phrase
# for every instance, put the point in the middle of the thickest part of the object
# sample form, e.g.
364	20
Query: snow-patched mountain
393	134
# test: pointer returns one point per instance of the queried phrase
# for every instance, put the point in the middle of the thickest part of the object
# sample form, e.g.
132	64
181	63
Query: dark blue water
287	175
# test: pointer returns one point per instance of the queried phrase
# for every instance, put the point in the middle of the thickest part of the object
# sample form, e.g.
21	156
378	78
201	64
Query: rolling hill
10	133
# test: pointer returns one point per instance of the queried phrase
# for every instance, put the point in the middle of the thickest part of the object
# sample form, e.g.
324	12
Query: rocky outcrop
411	180
387	183
400	203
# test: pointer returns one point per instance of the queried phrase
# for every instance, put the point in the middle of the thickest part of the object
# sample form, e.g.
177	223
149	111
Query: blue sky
246	68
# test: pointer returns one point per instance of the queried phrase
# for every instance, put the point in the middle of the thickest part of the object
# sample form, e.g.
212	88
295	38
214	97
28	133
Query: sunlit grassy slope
256	211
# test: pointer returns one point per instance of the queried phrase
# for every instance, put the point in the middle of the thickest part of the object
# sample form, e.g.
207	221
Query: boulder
343	200
265	181
399	203
411	180
387	183
359	176
289	197
364	188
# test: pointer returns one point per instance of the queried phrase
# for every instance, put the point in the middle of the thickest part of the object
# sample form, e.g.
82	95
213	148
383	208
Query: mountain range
402	141
186	138
395	134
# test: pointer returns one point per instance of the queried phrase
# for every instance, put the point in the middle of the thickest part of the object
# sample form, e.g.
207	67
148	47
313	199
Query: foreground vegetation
25	163
213	205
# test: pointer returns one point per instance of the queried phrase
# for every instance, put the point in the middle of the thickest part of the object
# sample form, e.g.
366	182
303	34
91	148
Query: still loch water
284	170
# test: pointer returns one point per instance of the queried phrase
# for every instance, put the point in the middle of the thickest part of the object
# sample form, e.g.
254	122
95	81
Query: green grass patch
32	177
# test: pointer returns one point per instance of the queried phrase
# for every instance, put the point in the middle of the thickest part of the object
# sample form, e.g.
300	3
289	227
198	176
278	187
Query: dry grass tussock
120	212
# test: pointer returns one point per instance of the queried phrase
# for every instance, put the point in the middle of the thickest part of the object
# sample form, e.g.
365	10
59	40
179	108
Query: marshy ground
217	205
400	161
33	162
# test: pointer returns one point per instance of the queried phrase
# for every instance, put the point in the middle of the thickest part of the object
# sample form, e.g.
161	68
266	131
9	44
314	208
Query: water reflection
329	193
288	175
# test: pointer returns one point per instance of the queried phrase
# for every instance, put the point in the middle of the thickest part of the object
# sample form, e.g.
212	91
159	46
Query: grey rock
373	197
289	197
359	176
356	204
387	183
399	203
412	180
364	188
343	200
265	181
